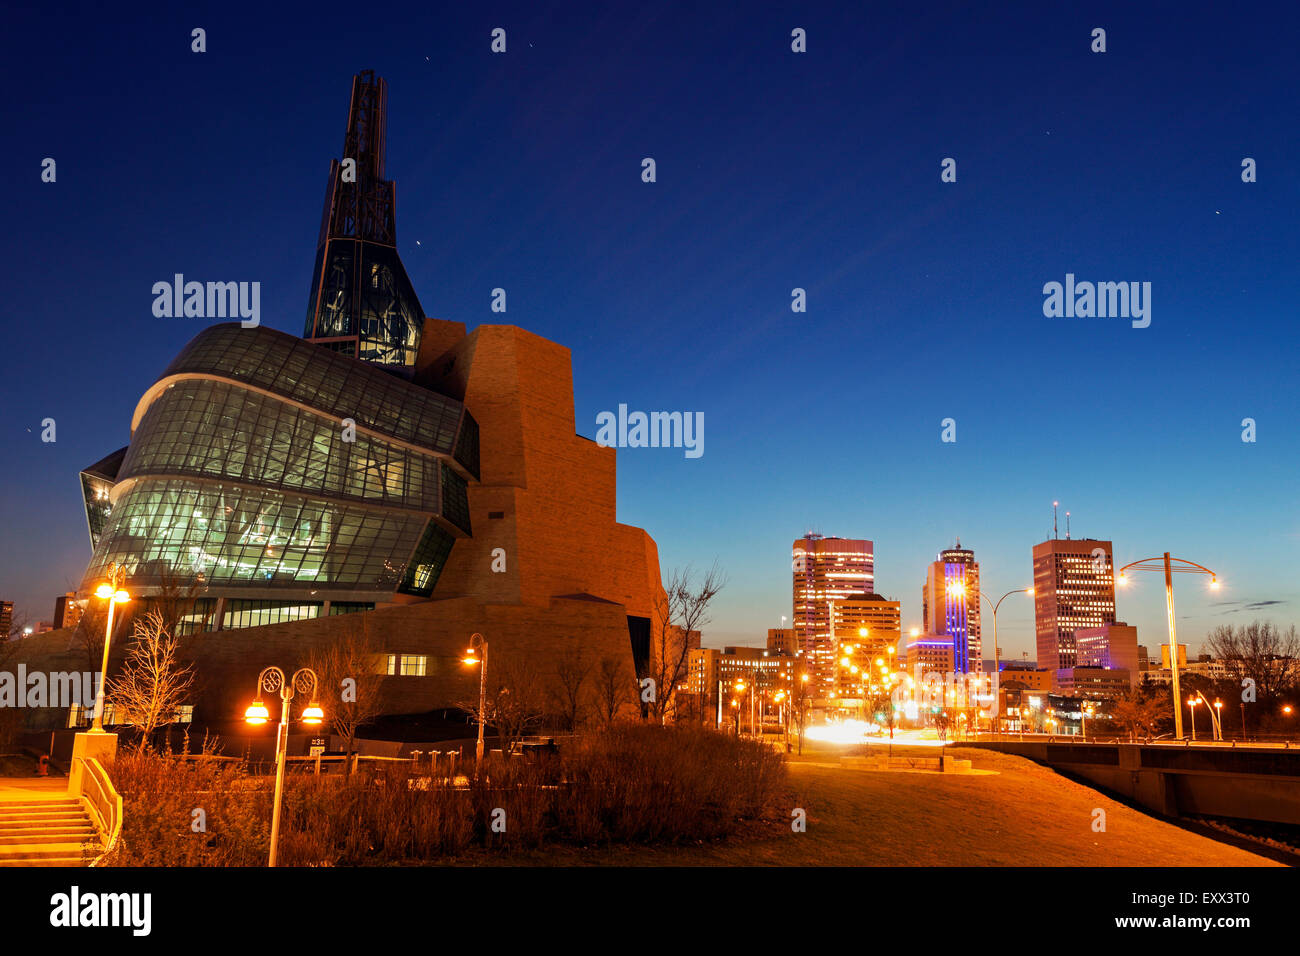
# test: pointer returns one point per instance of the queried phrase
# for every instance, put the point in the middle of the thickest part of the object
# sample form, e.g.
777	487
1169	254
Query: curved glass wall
334	383
214	429
254	537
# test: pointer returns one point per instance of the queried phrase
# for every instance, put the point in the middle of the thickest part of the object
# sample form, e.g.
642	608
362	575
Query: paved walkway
33	788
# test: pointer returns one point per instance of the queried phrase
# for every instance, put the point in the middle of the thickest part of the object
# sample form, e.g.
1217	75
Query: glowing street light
111	592
477	643
272	682
1169	566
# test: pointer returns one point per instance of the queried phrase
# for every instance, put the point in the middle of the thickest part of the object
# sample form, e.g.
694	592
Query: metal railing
104	804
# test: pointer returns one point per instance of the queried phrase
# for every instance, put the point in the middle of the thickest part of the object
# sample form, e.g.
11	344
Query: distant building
713	671
1214	670
932	651
866	627
782	640
950	605
1096	683
825	571
1112	646
1074	588
67	612
1051	713
1025	677
6	619
1144	658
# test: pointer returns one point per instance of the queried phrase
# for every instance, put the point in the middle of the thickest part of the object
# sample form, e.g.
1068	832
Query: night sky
775	170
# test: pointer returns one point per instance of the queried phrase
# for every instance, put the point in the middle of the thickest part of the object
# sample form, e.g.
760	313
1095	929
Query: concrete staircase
49	832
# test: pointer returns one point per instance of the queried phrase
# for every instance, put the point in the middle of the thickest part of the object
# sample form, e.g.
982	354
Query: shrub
632	783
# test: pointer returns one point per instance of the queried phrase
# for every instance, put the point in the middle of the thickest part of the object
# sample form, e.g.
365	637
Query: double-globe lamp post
1169	566
271	681
114	595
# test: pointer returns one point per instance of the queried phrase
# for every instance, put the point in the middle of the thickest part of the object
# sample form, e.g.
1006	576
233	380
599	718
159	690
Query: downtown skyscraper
826	571
1074	588
950	605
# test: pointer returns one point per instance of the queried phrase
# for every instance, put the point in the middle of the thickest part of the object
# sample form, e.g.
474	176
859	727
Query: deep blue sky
775	170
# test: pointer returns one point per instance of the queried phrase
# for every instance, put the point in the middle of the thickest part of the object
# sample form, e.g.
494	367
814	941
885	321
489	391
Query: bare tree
1260	652
16	625
612	690
350	682
800	700
572	674
514	703
11	718
680	611
152	683
1137	711
176	598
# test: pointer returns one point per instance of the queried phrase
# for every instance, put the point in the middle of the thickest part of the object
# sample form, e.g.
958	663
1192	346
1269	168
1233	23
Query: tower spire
361	301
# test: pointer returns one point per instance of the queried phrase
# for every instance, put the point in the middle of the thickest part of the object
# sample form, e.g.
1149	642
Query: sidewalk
33	788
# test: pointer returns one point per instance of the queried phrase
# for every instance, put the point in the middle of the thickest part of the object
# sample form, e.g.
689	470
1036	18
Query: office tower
950	605
1074	588
868	625
827	570
67	612
6	619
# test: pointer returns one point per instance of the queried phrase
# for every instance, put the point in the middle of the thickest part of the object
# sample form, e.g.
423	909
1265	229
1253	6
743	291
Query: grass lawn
1022	815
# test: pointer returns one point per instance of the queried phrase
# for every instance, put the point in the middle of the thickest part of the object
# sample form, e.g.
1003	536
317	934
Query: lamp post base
90	745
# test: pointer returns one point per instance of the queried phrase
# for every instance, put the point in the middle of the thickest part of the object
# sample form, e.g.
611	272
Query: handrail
104	803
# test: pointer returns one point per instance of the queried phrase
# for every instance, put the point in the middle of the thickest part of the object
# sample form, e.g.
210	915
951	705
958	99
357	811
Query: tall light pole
272	681
1169	566
997	651
477	643
114	595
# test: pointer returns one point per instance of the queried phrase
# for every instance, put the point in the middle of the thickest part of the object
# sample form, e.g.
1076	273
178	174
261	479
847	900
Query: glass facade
260	461
252	537
205	428
427	562
360	292
329	382
350	607
241	613
96	484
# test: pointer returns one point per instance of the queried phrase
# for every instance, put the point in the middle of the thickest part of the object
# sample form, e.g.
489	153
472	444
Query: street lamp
1191	709
114	595
476	643
271	681
997	651
1169	566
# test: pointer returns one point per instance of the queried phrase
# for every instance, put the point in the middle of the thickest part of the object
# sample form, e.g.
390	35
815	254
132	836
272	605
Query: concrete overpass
1246	781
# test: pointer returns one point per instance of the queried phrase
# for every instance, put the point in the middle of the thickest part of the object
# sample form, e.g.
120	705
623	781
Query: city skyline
692	275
